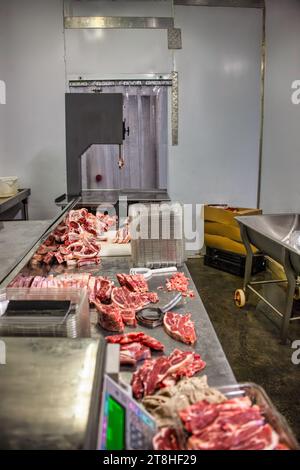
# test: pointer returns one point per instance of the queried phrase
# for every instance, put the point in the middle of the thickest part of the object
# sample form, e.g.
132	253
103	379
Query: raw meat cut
126	338
109	317
234	424
76	241
99	287
166	439
180	327
136	337
126	359
123	235
165	404
103	289
212	423
128	316
106	221
152	297
135	282
134	352
124	298
165	371
179	282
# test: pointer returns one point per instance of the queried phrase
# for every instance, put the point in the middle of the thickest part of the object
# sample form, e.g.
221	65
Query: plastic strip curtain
145	150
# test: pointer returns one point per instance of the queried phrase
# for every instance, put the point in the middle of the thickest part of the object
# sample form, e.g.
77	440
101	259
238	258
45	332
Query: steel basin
271	234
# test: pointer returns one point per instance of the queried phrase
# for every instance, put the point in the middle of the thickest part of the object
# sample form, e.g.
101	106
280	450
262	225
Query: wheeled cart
271	234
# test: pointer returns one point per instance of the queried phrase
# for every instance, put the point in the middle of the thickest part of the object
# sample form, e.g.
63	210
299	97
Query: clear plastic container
8	186
75	324
157	237
258	397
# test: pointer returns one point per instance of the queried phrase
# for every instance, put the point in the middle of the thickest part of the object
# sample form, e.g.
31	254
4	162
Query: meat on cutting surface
124	298
165	371
234	424
180	327
166	439
179	282
128	316
136	337
76	241
109	317
99	287
131	353
133	282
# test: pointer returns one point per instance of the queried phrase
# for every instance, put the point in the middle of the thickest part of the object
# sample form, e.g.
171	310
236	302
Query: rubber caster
297	293
240	298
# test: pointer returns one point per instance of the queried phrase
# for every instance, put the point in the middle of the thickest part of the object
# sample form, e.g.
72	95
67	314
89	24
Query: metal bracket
174	117
118	22
222	3
174	38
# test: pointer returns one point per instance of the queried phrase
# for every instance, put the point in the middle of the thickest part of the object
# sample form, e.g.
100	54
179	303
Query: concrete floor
251	340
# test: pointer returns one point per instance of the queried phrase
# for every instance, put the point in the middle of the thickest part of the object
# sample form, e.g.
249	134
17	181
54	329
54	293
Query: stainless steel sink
271	234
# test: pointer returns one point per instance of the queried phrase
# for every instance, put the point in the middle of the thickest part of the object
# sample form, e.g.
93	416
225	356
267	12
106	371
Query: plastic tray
258	396
76	324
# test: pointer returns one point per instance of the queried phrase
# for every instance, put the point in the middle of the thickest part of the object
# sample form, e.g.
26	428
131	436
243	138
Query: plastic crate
233	263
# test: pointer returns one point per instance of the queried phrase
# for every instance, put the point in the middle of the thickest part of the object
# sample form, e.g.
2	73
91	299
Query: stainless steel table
217	369
16	239
92	198
50	392
9	206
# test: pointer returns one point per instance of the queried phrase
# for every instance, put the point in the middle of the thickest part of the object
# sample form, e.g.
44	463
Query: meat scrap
166	439
131	353
212	423
123	235
113	318
165	404
109	317
165	371
180	327
133	282
76	241
136	337
179	282
135	347
125	298
99	287
128	317
234	424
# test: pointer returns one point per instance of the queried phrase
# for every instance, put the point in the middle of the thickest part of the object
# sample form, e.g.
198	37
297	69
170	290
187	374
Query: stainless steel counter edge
15	269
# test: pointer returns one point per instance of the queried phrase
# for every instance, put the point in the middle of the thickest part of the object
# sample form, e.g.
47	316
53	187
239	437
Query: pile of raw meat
99	287
122	235
76	241
165	404
234	424
180	327
132	296
180	283
135	347
165	371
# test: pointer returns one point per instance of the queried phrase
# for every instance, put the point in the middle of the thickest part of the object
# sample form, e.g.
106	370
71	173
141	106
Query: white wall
219	90
34	114
219	106
216	159
3	78
281	150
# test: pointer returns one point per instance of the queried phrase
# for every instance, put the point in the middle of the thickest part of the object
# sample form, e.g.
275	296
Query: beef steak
180	327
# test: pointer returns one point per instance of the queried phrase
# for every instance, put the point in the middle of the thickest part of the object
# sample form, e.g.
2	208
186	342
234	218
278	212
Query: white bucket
8	186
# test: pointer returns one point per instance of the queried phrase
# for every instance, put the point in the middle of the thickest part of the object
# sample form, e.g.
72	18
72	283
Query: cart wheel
240	298
297	293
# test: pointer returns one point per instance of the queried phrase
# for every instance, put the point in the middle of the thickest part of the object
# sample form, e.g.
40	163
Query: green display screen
115	432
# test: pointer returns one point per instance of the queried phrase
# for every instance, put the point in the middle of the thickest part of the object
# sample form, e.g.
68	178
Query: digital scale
124	423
